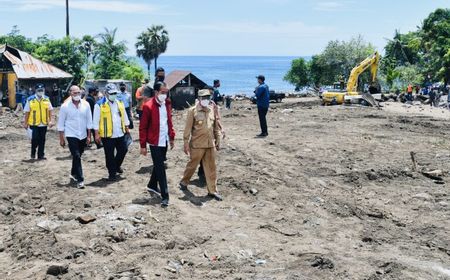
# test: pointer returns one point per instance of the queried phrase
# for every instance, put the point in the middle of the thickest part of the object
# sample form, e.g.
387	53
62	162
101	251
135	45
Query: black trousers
128	110
38	141
76	147
139	112
262	112
159	171
115	151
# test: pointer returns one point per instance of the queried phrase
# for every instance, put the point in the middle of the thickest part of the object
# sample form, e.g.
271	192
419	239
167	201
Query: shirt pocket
199	118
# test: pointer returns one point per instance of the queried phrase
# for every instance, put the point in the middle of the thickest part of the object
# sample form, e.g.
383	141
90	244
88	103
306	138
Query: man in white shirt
156	129
75	124
111	124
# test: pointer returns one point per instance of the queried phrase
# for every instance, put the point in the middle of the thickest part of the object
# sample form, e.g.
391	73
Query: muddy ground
330	194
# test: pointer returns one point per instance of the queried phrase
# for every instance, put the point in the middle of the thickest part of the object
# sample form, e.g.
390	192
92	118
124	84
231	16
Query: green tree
63	53
134	73
151	43
17	40
338	59
110	55
406	75
298	75
435	44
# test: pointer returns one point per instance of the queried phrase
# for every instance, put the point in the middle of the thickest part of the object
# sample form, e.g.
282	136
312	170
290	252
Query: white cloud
118	6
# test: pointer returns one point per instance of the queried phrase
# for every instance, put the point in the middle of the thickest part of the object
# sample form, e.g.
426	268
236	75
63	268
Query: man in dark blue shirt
262	101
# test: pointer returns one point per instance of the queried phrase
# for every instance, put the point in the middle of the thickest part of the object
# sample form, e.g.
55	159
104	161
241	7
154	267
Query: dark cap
261	77
122	84
160	69
40	86
148	91
216	82
92	89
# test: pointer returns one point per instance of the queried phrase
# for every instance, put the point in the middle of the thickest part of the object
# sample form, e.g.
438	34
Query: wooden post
414	162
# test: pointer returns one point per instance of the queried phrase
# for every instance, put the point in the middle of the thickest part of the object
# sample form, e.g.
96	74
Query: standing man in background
125	97
262	102
140	98
75	124
216	94
38	115
160	75
110	124
91	99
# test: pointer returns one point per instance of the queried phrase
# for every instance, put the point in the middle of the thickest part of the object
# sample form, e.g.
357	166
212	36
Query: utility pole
67	18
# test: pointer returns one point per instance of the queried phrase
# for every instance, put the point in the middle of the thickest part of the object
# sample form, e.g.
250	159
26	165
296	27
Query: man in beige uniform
201	141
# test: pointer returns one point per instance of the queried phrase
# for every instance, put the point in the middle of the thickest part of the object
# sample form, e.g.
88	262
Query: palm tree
151	44
111	54
159	37
108	47
144	49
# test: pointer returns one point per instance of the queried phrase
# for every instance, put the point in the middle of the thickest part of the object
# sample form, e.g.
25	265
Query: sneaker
154	192
164	203
183	187
33	157
80	185
120	170
216	196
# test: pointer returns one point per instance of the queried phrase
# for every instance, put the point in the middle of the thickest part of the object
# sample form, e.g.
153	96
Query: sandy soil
330	194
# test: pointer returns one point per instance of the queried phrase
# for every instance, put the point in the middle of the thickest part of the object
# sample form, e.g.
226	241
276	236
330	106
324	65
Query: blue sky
229	27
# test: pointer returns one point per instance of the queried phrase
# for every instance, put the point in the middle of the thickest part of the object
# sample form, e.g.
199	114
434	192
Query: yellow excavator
334	97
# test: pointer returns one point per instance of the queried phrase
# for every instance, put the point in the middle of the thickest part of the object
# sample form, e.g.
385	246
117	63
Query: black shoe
42	158
112	178
262	135
33	156
183	187
164	203
216	196
120	170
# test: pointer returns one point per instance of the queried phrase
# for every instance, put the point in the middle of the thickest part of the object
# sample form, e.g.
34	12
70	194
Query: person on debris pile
201	142
111	124
156	129
75	124
38	116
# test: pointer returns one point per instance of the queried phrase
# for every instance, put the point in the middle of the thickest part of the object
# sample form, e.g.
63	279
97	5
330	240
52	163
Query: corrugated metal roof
29	67
175	77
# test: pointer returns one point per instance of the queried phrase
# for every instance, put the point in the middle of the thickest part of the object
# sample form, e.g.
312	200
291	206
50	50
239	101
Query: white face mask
76	98
204	102
162	98
112	98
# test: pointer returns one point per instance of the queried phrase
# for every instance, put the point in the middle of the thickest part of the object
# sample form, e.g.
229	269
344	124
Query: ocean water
236	73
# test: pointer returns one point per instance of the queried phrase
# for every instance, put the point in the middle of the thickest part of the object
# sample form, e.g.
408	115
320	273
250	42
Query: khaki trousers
208	159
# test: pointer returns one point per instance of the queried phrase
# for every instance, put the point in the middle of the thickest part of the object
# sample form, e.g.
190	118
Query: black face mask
122	89
160	78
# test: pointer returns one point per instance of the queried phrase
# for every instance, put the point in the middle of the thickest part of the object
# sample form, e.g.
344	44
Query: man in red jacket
156	128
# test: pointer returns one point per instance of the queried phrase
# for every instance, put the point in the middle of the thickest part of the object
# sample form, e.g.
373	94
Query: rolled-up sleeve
89	123
188	127
96	120
62	119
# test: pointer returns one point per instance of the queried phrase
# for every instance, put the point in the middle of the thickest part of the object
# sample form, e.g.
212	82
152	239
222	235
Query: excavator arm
372	62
